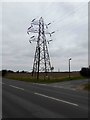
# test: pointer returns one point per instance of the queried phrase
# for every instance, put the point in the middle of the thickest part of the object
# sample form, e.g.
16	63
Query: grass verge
46	80
87	86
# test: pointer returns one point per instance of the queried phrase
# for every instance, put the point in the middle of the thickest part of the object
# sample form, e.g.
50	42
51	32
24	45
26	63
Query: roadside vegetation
50	78
87	87
85	72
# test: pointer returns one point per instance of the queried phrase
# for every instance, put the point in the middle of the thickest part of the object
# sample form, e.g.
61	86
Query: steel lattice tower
41	58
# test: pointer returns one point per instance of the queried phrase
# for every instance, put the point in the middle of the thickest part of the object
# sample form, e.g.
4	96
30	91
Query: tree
4	72
85	72
10	71
17	71
52	68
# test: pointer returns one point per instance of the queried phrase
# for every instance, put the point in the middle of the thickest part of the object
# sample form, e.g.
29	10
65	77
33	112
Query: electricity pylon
41	58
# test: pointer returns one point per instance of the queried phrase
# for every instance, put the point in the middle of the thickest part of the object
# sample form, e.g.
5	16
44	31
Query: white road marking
39	84
56	99
16	87
58	86
64	87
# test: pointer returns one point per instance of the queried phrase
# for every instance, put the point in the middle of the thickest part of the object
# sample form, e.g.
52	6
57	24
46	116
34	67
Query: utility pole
69	67
41	58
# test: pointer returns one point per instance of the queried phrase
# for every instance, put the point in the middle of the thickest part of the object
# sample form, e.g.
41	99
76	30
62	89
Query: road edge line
56	99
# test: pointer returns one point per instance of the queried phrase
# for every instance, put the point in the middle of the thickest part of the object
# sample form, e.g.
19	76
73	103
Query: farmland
50	78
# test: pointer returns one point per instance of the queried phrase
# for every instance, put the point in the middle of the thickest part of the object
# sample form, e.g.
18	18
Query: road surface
73	84
33	100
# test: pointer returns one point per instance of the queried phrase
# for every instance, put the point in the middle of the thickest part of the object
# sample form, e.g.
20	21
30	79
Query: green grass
47	80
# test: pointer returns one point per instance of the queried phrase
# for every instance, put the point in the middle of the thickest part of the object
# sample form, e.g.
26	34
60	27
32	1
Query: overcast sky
69	21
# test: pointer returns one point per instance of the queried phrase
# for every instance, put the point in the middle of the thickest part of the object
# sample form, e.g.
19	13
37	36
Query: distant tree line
85	72
4	72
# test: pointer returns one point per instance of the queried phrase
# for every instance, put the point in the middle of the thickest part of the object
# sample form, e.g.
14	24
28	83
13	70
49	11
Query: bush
85	72
4	72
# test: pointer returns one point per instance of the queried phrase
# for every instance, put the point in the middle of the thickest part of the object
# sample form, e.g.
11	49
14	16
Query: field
49	78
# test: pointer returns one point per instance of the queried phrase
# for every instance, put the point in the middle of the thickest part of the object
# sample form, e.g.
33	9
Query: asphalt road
73	84
30	100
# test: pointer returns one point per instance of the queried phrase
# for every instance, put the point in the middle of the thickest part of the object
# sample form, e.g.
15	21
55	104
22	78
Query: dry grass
87	86
50	78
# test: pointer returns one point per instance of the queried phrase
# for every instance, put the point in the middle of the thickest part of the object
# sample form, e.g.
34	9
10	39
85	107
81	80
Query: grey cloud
69	40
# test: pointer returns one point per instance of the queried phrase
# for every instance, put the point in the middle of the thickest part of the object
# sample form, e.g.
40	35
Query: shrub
4	72
85	72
